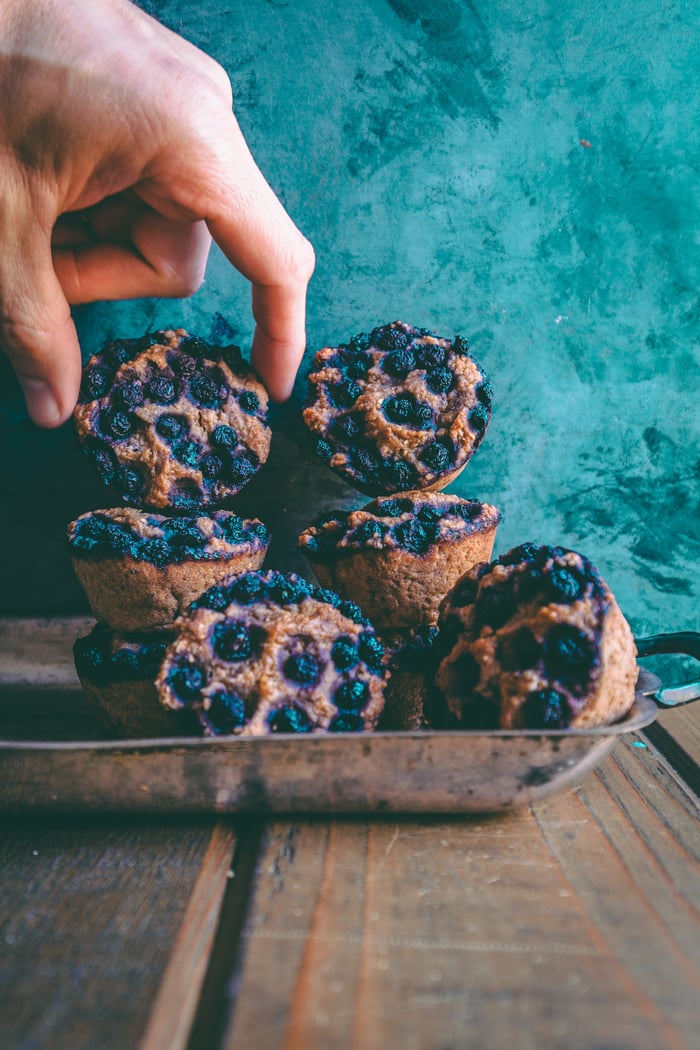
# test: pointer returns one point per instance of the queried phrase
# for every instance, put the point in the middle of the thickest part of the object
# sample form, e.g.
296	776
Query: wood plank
563	924
648	907
676	733
38	653
174	1010
89	913
40	694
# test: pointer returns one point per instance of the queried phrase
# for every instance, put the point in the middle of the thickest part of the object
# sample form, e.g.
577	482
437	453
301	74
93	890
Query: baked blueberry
345	393
211	465
249	402
351	696
129	482
345	427
438	456
224	437
115	423
494	606
226	712
95	383
344	653
399	363
464	592
187	452
570	656
302	668
205	390
232	641
440	381
347	722
289	719
405	409
415	536
546	709
409	417
159	406
161	389
170	427
129	394
186	681
183	364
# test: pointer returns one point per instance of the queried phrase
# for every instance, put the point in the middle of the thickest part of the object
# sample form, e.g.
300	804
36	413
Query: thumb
36	329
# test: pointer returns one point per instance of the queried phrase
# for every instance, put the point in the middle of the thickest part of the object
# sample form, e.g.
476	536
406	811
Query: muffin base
396	589
130	595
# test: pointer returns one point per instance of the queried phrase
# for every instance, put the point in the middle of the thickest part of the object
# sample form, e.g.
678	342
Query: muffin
265	652
140	570
398	409
118	674
534	640
398	556
171	421
410	660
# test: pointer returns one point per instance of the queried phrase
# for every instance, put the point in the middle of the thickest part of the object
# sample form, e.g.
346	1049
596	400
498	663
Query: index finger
257	235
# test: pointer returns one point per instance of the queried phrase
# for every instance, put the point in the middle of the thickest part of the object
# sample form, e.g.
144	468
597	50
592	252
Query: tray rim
642	713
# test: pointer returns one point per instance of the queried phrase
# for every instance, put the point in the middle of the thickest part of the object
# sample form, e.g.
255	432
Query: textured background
524	173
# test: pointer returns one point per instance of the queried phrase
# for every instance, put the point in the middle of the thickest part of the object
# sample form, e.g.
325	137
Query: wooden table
570	923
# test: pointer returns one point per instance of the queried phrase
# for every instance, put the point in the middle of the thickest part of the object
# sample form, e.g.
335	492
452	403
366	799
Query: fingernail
41	402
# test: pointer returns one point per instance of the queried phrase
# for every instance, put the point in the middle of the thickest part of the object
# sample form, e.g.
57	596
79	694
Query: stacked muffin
398	413
175	427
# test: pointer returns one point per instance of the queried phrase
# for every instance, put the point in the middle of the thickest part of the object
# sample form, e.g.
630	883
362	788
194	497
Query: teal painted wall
522	173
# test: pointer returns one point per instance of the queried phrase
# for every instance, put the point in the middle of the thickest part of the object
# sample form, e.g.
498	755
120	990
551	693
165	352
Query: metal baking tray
417	772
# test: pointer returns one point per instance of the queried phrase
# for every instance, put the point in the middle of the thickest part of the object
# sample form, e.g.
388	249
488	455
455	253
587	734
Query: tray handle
684	642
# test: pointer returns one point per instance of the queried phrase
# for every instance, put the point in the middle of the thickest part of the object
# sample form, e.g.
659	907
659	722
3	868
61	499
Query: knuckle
303	260
221	78
26	345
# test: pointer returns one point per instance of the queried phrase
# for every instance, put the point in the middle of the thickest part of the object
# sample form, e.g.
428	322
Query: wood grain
175	1006
539	928
38	653
40	695
89	913
677	734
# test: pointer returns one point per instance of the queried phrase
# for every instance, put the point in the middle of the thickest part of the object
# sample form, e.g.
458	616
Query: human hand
120	159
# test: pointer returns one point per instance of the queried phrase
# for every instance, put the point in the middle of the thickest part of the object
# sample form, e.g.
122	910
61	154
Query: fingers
280	336
252	228
128	251
36	330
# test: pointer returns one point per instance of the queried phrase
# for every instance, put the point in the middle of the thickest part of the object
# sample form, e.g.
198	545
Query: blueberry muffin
410	660
397	409
140	570
265	652
118	675
399	555
535	640
172	421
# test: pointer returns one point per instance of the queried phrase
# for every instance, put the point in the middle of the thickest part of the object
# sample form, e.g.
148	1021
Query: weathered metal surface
455	772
